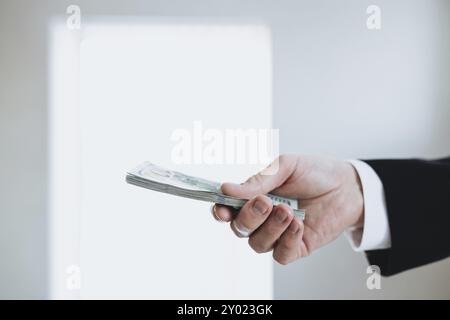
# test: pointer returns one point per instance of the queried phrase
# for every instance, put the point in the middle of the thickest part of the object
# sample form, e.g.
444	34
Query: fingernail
280	215
243	232
213	211
259	207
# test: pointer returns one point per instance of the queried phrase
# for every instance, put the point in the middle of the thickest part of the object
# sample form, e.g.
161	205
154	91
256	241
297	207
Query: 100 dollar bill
153	177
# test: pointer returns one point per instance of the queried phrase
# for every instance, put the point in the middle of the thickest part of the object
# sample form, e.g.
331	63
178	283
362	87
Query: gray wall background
339	89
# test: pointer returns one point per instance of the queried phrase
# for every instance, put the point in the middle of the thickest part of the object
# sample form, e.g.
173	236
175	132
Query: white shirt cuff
375	234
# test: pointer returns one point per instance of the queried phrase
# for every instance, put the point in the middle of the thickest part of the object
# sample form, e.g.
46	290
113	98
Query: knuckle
281	259
286	208
242	214
264	200
257	246
283	262
256	181
252	179
300	224
280	218
296	227
282	157
245	214
290	218
285	159
273	228
287	245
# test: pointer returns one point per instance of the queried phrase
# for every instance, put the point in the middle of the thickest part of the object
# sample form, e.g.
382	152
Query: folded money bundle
153	177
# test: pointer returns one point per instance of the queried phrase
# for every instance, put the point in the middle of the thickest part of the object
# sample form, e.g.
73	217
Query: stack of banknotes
153	177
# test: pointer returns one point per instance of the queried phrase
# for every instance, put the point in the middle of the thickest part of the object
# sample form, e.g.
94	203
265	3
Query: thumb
263	182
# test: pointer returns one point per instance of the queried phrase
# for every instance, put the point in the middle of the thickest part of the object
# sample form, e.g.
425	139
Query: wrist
356	198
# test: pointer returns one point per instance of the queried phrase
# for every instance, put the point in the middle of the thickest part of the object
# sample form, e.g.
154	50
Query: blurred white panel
139	83
64	161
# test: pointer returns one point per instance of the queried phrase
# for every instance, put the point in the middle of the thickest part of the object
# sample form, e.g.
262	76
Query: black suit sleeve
417	194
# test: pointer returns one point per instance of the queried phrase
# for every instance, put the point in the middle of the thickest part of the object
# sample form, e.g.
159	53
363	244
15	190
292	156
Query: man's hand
329	190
